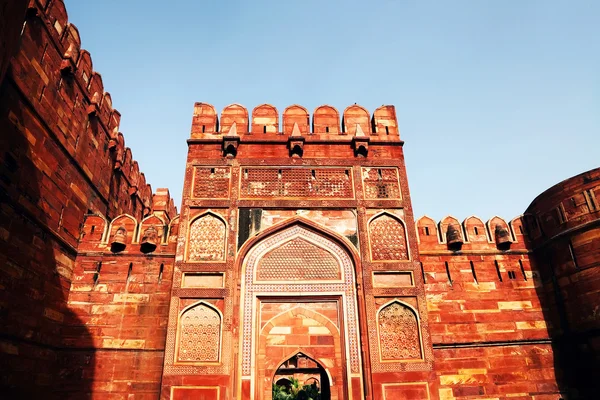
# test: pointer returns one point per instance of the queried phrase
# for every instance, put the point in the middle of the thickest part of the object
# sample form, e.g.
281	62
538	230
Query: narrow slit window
473	272
129	272
572	252
97	273
511	275
387	130
327	129
522	269
448	273
160	272
264	129
498	270
476	231
426	231
203	128
43	54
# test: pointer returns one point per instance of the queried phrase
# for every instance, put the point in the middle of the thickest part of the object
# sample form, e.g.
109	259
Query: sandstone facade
295	253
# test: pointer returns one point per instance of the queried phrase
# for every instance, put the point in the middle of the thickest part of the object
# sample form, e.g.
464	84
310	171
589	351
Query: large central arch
298	270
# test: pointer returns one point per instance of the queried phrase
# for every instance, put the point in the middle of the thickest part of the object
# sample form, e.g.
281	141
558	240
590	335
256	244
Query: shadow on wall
567	255
35	269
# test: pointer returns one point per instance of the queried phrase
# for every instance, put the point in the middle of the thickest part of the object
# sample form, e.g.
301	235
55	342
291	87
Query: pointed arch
474	228
398	332
207	238
199	334
302	222
158	222
450	220
128	222
309	355
388	239
429	232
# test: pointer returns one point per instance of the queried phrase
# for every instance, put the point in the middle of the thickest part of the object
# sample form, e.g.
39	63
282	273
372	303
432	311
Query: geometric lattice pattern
199	334
298	260
381	183
296	183
398	333
207	239
388	239
347	287
211	183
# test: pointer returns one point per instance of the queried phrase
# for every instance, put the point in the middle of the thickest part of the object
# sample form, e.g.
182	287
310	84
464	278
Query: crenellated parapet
264	120
56	77
156	233
472	234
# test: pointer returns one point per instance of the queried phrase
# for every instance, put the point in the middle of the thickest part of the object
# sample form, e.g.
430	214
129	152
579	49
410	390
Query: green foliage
295	392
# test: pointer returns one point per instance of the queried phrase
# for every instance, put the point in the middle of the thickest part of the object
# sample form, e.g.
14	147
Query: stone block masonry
296	254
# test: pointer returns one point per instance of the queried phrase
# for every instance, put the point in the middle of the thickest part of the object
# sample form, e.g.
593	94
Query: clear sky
496	101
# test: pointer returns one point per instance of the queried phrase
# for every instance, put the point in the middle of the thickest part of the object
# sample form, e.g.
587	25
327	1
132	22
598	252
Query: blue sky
496	101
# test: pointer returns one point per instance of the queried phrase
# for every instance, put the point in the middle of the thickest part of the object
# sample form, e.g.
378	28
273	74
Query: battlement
265	121
472	234
57	77
124	234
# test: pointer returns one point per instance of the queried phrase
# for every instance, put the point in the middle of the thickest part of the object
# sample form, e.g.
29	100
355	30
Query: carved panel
199	335
381	183
388	239
347	287
398	333
207	239
211	182
298	260
297	183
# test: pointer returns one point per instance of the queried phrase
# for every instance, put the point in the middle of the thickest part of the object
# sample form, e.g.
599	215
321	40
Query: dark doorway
301	378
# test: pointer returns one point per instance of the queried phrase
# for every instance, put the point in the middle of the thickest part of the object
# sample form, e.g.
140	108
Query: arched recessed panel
399	337
199	334
207	239
298	260
388	239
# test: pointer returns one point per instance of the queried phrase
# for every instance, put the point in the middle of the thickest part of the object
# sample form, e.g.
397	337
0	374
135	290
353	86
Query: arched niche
207	236
199	332
387	238
399	333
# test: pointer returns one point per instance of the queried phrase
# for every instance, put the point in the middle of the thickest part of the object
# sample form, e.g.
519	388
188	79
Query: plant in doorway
294	391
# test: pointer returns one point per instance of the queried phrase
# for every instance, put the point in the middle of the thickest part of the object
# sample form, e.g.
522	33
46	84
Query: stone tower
296	257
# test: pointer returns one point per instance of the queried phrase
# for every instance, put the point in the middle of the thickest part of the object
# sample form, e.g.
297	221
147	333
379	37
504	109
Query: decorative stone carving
207	239
298	260
388	239
296	183
398	333
199	335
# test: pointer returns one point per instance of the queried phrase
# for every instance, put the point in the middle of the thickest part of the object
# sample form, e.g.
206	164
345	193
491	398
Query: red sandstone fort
295	254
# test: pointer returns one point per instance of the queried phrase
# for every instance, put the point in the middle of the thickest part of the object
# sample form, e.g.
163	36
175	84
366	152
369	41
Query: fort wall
61	157
102	283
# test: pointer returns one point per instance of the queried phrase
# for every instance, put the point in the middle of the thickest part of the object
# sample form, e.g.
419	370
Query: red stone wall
488	325
563	222
259	185
61	157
